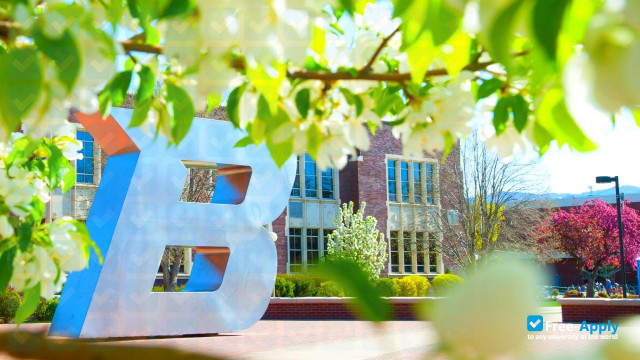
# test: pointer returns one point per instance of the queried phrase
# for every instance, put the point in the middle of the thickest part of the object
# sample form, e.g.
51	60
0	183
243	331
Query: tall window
313	247
391	182
327	184
404	180
395	260
295	250
408	252
413	253
84	166
310	184
296	183
433	254
417	182
413	179
306	248
429	183
316	184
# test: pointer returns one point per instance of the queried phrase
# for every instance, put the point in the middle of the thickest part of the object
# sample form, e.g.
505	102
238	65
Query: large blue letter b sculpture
137	212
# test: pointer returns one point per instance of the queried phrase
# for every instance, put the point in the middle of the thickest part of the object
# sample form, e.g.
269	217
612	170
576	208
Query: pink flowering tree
590	234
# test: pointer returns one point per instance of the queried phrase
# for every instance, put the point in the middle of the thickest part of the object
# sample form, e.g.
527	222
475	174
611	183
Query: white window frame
303	246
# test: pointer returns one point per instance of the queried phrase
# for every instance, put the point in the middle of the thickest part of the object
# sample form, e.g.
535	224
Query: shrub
554	293
633	296
284	287
46	309
422	284
602	294
573	294
304	285
9	303
445	282
407	287
387	287
617	296
157	289
330	289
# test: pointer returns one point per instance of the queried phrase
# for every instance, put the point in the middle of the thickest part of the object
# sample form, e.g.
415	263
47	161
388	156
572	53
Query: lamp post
606	180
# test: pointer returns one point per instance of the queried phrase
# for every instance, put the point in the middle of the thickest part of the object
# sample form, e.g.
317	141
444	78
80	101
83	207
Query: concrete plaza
271	339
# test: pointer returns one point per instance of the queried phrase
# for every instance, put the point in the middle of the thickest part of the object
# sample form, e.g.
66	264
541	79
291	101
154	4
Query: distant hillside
626	189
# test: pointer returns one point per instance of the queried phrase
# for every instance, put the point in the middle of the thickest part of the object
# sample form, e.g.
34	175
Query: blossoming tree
357	239
301	75
590	234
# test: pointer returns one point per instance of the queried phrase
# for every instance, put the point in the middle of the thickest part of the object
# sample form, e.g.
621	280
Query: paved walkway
330	340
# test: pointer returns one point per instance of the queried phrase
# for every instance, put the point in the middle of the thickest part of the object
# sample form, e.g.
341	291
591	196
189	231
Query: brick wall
335	308
279	227
598	310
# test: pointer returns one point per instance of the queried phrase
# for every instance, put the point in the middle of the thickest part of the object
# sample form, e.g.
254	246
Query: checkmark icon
534	323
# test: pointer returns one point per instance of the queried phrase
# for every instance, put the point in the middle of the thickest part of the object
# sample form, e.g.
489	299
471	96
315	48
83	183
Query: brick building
402	193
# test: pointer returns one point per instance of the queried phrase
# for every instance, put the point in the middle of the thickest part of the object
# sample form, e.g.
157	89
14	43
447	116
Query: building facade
402	193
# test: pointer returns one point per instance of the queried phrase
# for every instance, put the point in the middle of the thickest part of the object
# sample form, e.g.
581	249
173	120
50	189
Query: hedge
444	282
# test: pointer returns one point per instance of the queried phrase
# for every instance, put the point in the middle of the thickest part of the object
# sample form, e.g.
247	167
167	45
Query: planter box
334	308
597	310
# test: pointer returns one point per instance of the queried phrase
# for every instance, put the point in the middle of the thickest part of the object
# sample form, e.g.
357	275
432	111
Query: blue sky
573	172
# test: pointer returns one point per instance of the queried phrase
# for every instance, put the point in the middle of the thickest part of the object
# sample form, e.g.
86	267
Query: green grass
546	303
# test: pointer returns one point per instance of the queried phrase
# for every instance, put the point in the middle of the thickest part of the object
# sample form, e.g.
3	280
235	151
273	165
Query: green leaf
303	101
31	299
554	118
114	11
547	22
353	100
636	116
233	102
501	32
147	84
348	5
244	142
420	55
448	146
372	127
280	151
66	55
21	84
115	92
179	8
24	236
488	87
455	54
501	115
6	267
181	111
268	82
444	21
520	109
68	179
56	163
118	87
140	112
314	139
367	303
213	101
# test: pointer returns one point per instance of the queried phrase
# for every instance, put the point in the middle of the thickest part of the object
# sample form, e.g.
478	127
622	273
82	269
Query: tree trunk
175	270
591	279
165	274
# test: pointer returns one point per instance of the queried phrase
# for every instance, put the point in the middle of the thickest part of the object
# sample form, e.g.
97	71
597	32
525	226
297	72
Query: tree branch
367	68
134	44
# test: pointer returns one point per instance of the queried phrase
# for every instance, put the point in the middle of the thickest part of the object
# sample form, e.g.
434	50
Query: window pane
429	180
296	183
325	240
327	184
407	252
295	250
84	166
417	182
433	254
420	249
391	183
404	180
395	261
310	182
312	247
